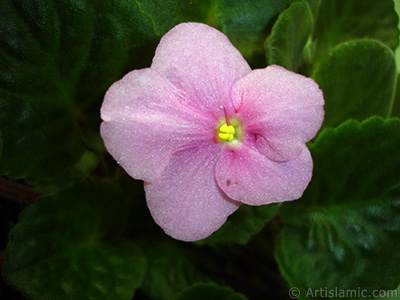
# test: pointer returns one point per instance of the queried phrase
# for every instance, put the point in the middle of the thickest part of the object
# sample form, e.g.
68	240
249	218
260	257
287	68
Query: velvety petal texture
162	125
187	202
283	109
145	124
202	65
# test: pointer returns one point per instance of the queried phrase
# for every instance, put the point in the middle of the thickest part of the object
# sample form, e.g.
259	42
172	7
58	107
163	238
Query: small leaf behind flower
358	81
247	23
289	36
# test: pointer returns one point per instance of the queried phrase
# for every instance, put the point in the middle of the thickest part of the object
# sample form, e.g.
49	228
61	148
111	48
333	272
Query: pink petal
283	109
202	65
144	124
187	202
248	176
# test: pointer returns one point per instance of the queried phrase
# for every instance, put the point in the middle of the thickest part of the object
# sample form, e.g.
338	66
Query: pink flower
206	133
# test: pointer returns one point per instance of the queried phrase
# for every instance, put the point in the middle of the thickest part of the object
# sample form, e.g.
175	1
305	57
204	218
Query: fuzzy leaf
358	80
67	246
170	269
167	13
344	20
289	36
57	59
247	23
395	109
343	233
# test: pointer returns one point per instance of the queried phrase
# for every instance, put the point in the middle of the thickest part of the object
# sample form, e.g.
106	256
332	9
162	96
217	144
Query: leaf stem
19	192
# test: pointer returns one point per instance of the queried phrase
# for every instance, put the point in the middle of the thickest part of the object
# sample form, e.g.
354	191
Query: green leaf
395	109
358	81
57	58
67	246
389	295
241	225
166	14
344	232
289	36
209	291
170	268
247	23
343	20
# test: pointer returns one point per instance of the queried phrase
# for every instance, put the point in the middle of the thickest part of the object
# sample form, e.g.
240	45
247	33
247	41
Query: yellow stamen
226	133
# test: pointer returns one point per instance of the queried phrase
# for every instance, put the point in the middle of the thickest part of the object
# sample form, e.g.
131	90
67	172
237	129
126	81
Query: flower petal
283	109
144	124
202	65
187	202
248	176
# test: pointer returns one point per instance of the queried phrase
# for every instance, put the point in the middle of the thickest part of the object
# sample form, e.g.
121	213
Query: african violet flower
206	133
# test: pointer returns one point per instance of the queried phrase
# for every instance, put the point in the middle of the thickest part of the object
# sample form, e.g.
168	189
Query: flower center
229	131
226	133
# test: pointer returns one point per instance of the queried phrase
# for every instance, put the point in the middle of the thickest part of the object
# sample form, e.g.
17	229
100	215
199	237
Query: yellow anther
225	137
227	129
226	133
